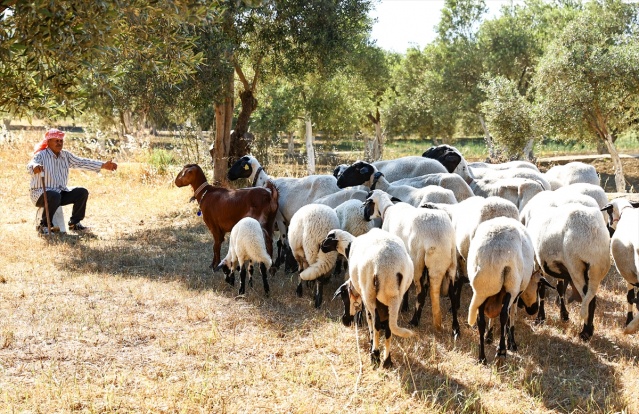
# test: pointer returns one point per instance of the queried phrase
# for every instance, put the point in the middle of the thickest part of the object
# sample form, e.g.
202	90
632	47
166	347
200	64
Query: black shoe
77	227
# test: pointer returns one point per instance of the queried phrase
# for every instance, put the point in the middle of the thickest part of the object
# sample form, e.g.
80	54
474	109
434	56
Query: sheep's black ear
396	200
364	170
607	207
634	204
545	282
378	174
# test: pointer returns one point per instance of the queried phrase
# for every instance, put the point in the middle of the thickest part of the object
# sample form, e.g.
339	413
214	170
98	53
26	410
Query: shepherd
50	158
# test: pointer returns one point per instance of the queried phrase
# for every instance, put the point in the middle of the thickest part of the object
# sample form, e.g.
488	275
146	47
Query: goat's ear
545	282
607	207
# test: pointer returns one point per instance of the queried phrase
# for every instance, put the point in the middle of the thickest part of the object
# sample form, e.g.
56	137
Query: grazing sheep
519	191
429	238
624	247
450	181
308	228
500	265
411	166
293	192
363	173
571	243
351	218
572	173
222	208
380	273
247	244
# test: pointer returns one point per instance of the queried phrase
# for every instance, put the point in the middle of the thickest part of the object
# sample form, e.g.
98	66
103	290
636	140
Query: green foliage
161	160
507	114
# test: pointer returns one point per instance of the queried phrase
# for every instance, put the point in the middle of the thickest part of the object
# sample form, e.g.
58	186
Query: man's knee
81	192
53	198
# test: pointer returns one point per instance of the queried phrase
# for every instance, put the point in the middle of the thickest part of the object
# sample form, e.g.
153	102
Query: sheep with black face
380	272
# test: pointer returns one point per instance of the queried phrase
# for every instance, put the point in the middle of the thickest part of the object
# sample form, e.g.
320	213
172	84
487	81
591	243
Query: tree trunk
620	180
490	144
219	150
310	150
241	142
377	145
529	149
291	144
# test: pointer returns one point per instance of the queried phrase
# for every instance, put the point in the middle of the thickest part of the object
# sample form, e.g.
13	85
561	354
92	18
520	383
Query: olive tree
587	83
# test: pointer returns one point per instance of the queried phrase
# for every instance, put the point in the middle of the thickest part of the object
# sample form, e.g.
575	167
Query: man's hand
37	169
110	165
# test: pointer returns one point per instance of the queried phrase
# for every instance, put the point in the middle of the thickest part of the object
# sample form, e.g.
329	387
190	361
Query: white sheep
363	173
308	228
519	191
571	243
624	247
430	240
564	195
411	166
500	265
450	181
380	273
247	247
572	173
504	165
293	192
345	194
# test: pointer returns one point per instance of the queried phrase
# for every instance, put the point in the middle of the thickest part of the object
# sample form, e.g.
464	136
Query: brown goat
222	208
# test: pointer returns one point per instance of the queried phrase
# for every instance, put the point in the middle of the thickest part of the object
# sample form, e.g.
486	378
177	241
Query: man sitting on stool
55	162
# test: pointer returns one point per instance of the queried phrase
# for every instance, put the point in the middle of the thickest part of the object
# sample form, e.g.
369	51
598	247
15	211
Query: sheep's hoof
482	360
512	346
242	290
272	271
456	333
230	279
540	321
629	319
298	291
375	358
586	333
489	336
564	316
388	363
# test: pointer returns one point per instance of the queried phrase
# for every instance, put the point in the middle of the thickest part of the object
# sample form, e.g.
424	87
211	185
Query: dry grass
132	320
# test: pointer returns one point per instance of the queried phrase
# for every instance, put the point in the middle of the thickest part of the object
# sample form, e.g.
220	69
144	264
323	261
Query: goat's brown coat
222	208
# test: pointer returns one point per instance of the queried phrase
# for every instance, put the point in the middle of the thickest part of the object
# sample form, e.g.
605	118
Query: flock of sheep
435	222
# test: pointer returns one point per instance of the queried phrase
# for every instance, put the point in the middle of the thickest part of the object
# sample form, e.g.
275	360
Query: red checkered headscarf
53	133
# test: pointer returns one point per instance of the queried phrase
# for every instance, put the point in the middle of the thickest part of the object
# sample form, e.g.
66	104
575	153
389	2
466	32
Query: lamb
335	199
222	208
517	190
429	238
624	247
293	192
351	218
247	244
308	228
380	273
363	173
500	266
571	173
571	243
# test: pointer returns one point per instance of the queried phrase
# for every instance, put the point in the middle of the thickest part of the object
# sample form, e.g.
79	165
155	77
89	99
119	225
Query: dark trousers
77	196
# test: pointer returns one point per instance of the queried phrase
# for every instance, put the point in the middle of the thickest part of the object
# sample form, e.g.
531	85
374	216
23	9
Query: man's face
56	145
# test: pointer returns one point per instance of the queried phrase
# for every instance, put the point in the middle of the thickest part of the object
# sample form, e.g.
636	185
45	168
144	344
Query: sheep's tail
325	262
473	310
393	312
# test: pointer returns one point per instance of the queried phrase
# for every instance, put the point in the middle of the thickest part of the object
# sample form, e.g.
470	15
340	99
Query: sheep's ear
545	282
607	207
364	170
396	200
378	174
340	290
634	204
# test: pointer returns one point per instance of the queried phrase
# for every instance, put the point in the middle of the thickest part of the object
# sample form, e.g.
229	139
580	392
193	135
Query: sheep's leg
453	294
589	327
405	302
512	345
264	278
561	291
388	362
338	266
503	320
489	333
250	272
242	279
541	313
319	290
375	353
631	298
278	259
481	327
435	292
299	291
421	288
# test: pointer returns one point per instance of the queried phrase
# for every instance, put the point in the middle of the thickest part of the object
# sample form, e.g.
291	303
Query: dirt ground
605	169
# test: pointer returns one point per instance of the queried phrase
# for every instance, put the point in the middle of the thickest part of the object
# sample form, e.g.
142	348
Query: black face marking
241	169
445	154
356	174
369	209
